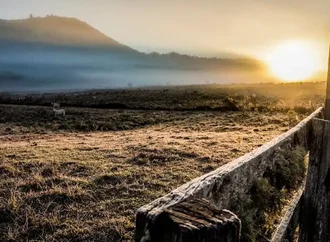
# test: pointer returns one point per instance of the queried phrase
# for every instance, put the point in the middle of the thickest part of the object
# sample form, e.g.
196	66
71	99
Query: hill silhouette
55	30
64	31
52	52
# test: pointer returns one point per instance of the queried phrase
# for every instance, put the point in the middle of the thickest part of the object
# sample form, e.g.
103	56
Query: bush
270	193
289	169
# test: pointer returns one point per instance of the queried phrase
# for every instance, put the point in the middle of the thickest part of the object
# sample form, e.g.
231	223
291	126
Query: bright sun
292	61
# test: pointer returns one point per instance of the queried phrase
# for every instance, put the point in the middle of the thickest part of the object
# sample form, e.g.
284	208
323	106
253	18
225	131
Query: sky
206	28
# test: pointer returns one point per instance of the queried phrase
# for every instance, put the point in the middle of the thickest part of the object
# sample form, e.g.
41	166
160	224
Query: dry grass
70	180
87	186
17	119
301	97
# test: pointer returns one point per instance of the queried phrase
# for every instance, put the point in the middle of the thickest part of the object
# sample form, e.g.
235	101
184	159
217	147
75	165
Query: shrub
270	193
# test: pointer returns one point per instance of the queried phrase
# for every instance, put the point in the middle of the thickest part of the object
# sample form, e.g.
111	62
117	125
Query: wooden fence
199	210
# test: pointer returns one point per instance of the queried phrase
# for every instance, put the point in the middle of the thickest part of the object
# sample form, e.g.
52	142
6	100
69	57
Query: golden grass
88	186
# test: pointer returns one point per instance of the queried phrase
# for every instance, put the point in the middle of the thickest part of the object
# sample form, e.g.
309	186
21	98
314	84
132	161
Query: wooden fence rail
286	230
221	188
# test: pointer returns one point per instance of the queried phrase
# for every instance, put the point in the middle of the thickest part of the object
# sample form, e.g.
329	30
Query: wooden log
327	98
316	200
226	185
195	221
287	228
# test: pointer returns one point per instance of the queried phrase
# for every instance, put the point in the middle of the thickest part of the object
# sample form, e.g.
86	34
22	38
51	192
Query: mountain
56	31
196	62
53	53
63	31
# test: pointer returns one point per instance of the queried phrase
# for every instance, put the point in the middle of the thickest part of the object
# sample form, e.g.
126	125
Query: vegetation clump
302	98
269	194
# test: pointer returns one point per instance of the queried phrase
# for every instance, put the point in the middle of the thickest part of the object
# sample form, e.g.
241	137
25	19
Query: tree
31	16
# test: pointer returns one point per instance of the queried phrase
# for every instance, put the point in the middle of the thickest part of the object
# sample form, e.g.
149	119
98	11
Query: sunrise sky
207	28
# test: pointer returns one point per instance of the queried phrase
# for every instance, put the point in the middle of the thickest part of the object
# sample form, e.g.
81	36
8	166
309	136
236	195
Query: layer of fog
39	68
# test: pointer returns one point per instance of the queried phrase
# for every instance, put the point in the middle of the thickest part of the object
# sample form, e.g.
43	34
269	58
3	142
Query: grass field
82	177
302	97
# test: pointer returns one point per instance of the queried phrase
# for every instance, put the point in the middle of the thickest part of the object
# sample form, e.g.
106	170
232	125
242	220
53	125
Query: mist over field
58	54
42	68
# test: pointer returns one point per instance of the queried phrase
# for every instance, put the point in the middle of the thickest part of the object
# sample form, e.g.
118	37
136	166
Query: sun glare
292	61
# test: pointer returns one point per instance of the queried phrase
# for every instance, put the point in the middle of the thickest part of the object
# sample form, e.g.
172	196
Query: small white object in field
56	105
59	112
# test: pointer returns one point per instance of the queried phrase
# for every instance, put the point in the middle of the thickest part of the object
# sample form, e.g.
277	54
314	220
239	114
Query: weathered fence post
315	218
327	100
194	221
316	201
